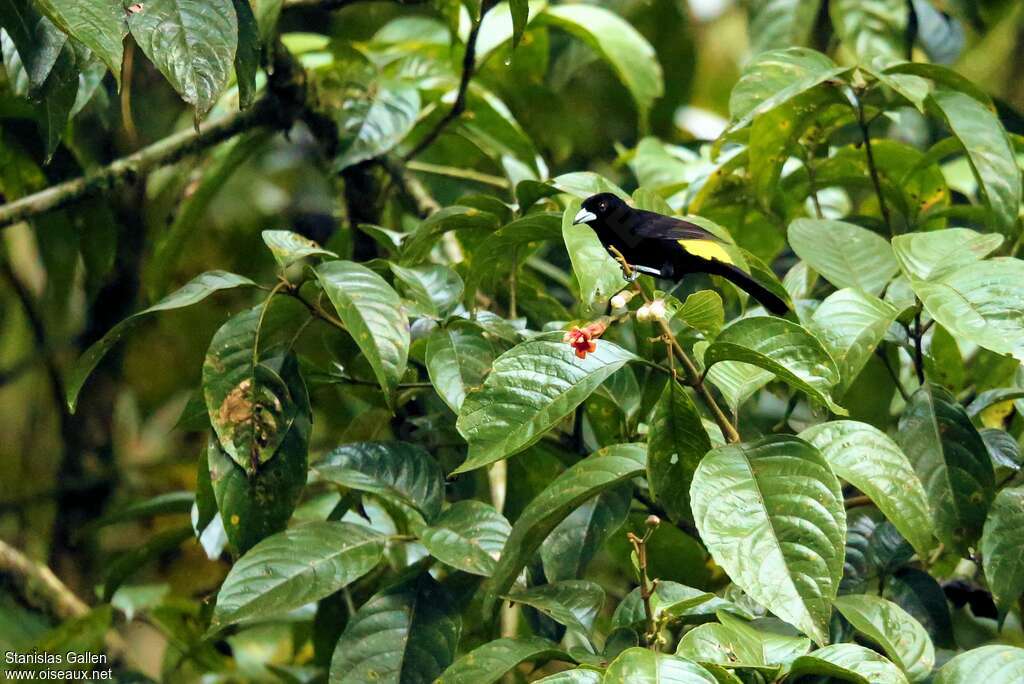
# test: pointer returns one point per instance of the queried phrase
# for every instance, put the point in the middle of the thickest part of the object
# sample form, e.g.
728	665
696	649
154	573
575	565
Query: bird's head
601	209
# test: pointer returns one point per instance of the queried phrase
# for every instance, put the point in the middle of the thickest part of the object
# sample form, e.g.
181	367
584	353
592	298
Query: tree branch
872	168
468	67
128	169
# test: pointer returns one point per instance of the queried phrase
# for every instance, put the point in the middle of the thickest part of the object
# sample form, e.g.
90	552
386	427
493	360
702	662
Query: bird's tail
742	280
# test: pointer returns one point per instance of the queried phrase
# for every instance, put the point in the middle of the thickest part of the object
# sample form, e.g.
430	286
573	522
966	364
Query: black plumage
667	247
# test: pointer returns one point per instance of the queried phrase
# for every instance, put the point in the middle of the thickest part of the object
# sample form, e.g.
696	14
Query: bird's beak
584	216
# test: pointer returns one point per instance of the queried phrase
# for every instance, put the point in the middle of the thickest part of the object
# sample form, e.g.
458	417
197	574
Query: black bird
667	247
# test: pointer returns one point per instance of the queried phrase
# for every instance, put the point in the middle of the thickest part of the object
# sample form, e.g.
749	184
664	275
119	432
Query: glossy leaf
458	358
488	663
1001	545
844	254
97	24
247	54
989	152
929	256
736	643
776	24
702	311
951	460
371	312
191	42
38	42
576	540
578	676
374	124
676	442
900	635
642	666
196	290
573	603
295	567
492	256
288	247
520	10
436	289
848	662
851	324
786	349
868	459
468	536
628	53
529	390
598	274
994	664
398	471
586	479
872	29
417	245
670	601
982	302
771	514
407	633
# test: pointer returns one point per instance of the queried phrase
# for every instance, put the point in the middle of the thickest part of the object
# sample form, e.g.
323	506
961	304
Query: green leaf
492	257
995	664
571	546
628	53
57	98
520	10
844	254
295	567
374	124
468	536
702	311
398	471
1001	545
642	666
458	358
573	603
776	24
930	255
901	636
872	28
253	506
583	184
784	348
849	662
597	273
735	643
288	247
951	460
982	302
670	600
371	312
488	663
39	43
406	633
267	13
852	324
247	55
676	442
435	288
251	406
196	290
918	593
771	514
97	24
988	151
868	459
577	676
990	398
191	42
418	244
774	77
735	380
530	388
591	476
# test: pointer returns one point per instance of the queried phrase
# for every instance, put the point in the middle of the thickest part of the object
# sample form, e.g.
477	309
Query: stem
854	501
512	284
127	169
411	187
646	586
127	68
871	165
813	185
894	375
468	67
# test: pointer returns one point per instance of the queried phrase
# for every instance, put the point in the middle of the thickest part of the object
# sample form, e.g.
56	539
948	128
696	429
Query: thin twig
918	351
872	168
411	187
468	67
855	501
894	375
456	172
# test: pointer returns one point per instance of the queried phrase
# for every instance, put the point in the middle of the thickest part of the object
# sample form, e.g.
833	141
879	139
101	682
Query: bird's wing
691	237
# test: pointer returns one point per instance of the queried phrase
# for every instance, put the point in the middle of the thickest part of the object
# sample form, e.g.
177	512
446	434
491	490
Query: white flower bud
656	309
644	313
620	301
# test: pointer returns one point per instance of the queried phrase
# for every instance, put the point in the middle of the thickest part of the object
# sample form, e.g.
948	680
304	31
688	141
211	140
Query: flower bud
656	309
652	521
621	300
644	313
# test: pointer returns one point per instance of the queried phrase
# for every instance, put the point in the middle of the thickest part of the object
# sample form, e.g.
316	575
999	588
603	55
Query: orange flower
582	339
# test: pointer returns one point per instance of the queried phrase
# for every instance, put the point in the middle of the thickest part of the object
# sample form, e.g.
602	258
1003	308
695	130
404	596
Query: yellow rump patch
707	249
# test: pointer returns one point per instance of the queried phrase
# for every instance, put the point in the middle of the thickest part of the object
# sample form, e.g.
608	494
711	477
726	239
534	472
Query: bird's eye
603	206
